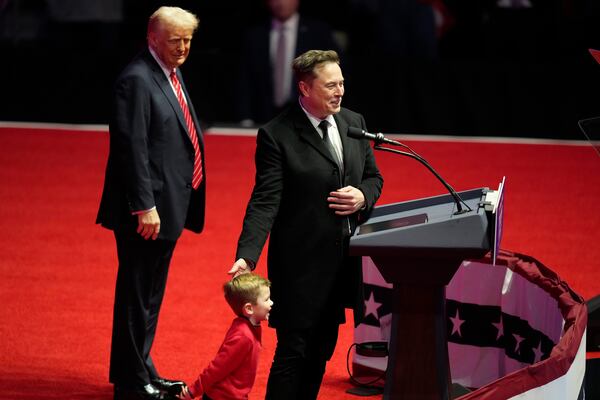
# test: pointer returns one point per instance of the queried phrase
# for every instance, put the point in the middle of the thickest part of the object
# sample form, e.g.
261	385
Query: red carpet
58	269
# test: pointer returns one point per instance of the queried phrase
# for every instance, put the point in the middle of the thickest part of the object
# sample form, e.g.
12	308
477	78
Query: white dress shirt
333	132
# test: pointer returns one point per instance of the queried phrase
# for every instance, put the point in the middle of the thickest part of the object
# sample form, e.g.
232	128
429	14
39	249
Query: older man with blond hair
154	188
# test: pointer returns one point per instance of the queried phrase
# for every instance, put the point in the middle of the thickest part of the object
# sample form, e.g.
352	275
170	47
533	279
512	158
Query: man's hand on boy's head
241	266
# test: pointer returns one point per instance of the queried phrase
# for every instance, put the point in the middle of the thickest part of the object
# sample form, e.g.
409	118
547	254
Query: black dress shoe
171	387
147	392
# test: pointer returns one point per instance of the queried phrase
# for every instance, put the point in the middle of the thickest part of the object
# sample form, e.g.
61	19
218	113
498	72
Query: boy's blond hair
242	289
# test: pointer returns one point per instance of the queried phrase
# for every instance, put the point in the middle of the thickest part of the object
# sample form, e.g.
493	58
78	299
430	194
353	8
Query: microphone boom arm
457	199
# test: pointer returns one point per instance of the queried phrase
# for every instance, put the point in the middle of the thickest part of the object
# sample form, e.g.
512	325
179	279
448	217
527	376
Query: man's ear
303	88
151	38
247	309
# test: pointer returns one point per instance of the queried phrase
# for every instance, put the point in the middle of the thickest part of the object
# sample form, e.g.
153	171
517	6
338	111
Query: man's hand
185	394
149	224
238	268
346	201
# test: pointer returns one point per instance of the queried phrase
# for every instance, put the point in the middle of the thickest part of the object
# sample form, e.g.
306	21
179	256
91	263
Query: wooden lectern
418	246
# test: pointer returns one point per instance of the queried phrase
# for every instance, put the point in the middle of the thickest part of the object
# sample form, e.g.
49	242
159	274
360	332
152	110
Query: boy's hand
185	394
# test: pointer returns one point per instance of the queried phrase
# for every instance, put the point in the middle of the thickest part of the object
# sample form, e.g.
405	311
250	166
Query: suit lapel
165	86
343	131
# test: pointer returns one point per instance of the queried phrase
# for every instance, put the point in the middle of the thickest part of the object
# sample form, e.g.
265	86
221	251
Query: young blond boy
231	374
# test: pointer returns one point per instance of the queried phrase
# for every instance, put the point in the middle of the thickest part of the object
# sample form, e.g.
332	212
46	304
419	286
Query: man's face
171	43
282	9
323	96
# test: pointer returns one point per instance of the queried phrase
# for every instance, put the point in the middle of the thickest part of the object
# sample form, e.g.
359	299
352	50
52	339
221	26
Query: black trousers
299	363
141	282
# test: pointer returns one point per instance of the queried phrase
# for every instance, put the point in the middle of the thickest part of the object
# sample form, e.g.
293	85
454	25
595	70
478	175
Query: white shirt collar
314	120
165	69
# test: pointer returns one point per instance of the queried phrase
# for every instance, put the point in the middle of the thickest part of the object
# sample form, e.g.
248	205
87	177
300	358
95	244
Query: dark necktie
324	126
191	128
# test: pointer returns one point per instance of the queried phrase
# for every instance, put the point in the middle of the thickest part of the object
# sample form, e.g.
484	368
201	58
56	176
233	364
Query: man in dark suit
265	80
154	188
314	185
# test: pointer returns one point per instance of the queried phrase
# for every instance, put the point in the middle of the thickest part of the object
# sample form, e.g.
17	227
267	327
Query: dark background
491	72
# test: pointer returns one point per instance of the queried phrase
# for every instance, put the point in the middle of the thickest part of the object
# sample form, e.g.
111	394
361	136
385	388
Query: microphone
378	138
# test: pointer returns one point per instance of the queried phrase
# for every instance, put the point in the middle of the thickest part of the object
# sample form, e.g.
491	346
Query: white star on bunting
371	306
519	339
500	327
456	324
538	353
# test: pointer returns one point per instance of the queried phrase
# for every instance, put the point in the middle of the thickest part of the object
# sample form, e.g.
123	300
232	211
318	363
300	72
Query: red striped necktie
197	176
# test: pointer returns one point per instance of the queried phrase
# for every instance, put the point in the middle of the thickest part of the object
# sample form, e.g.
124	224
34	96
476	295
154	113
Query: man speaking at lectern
313	186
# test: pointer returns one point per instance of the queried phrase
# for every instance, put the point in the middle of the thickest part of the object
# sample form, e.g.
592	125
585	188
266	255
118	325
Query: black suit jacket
307	262
151	156
254	97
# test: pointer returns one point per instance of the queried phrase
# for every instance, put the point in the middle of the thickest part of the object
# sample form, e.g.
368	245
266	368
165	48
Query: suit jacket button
189	185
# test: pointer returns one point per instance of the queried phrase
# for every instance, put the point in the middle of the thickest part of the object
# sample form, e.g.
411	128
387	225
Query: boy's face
260	310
